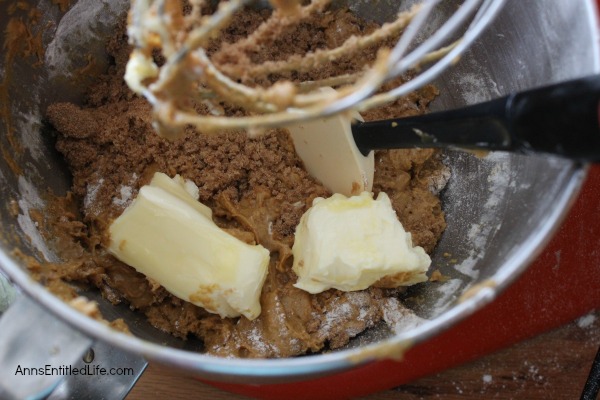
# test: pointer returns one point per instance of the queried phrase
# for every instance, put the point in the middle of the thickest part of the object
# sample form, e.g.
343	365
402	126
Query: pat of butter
349	243
139	68
167	235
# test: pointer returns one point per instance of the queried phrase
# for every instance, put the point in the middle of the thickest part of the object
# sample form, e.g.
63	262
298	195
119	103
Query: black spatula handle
561	119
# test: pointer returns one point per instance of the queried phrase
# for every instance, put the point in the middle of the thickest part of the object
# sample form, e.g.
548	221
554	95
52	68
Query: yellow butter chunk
169	236
139	68
349	243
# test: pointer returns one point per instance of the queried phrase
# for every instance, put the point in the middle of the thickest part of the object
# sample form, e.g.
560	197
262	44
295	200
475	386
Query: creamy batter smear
257	189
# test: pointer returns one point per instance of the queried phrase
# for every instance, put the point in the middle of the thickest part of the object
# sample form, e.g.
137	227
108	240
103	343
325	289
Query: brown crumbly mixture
329	30
250	183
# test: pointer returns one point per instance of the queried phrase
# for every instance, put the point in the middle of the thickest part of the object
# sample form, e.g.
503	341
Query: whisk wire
488	10
156	24
435	41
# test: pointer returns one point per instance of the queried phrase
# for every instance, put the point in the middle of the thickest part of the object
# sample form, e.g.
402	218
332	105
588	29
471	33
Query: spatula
560	119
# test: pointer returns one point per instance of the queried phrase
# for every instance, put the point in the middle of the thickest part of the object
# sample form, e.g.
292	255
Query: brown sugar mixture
257	189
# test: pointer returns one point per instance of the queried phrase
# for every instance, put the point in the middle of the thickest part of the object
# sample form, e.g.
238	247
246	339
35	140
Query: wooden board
554	365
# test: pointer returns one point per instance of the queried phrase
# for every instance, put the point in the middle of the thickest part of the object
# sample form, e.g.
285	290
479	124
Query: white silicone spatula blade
327	148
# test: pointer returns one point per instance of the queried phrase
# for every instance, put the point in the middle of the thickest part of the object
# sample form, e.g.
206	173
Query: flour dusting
480	232
31	200
446	292
586	321
398	317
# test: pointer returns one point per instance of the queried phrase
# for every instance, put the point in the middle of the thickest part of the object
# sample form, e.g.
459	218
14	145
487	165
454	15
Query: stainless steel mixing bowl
501	209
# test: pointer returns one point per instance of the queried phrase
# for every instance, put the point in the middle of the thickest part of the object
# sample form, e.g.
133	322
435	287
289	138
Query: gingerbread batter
257	189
